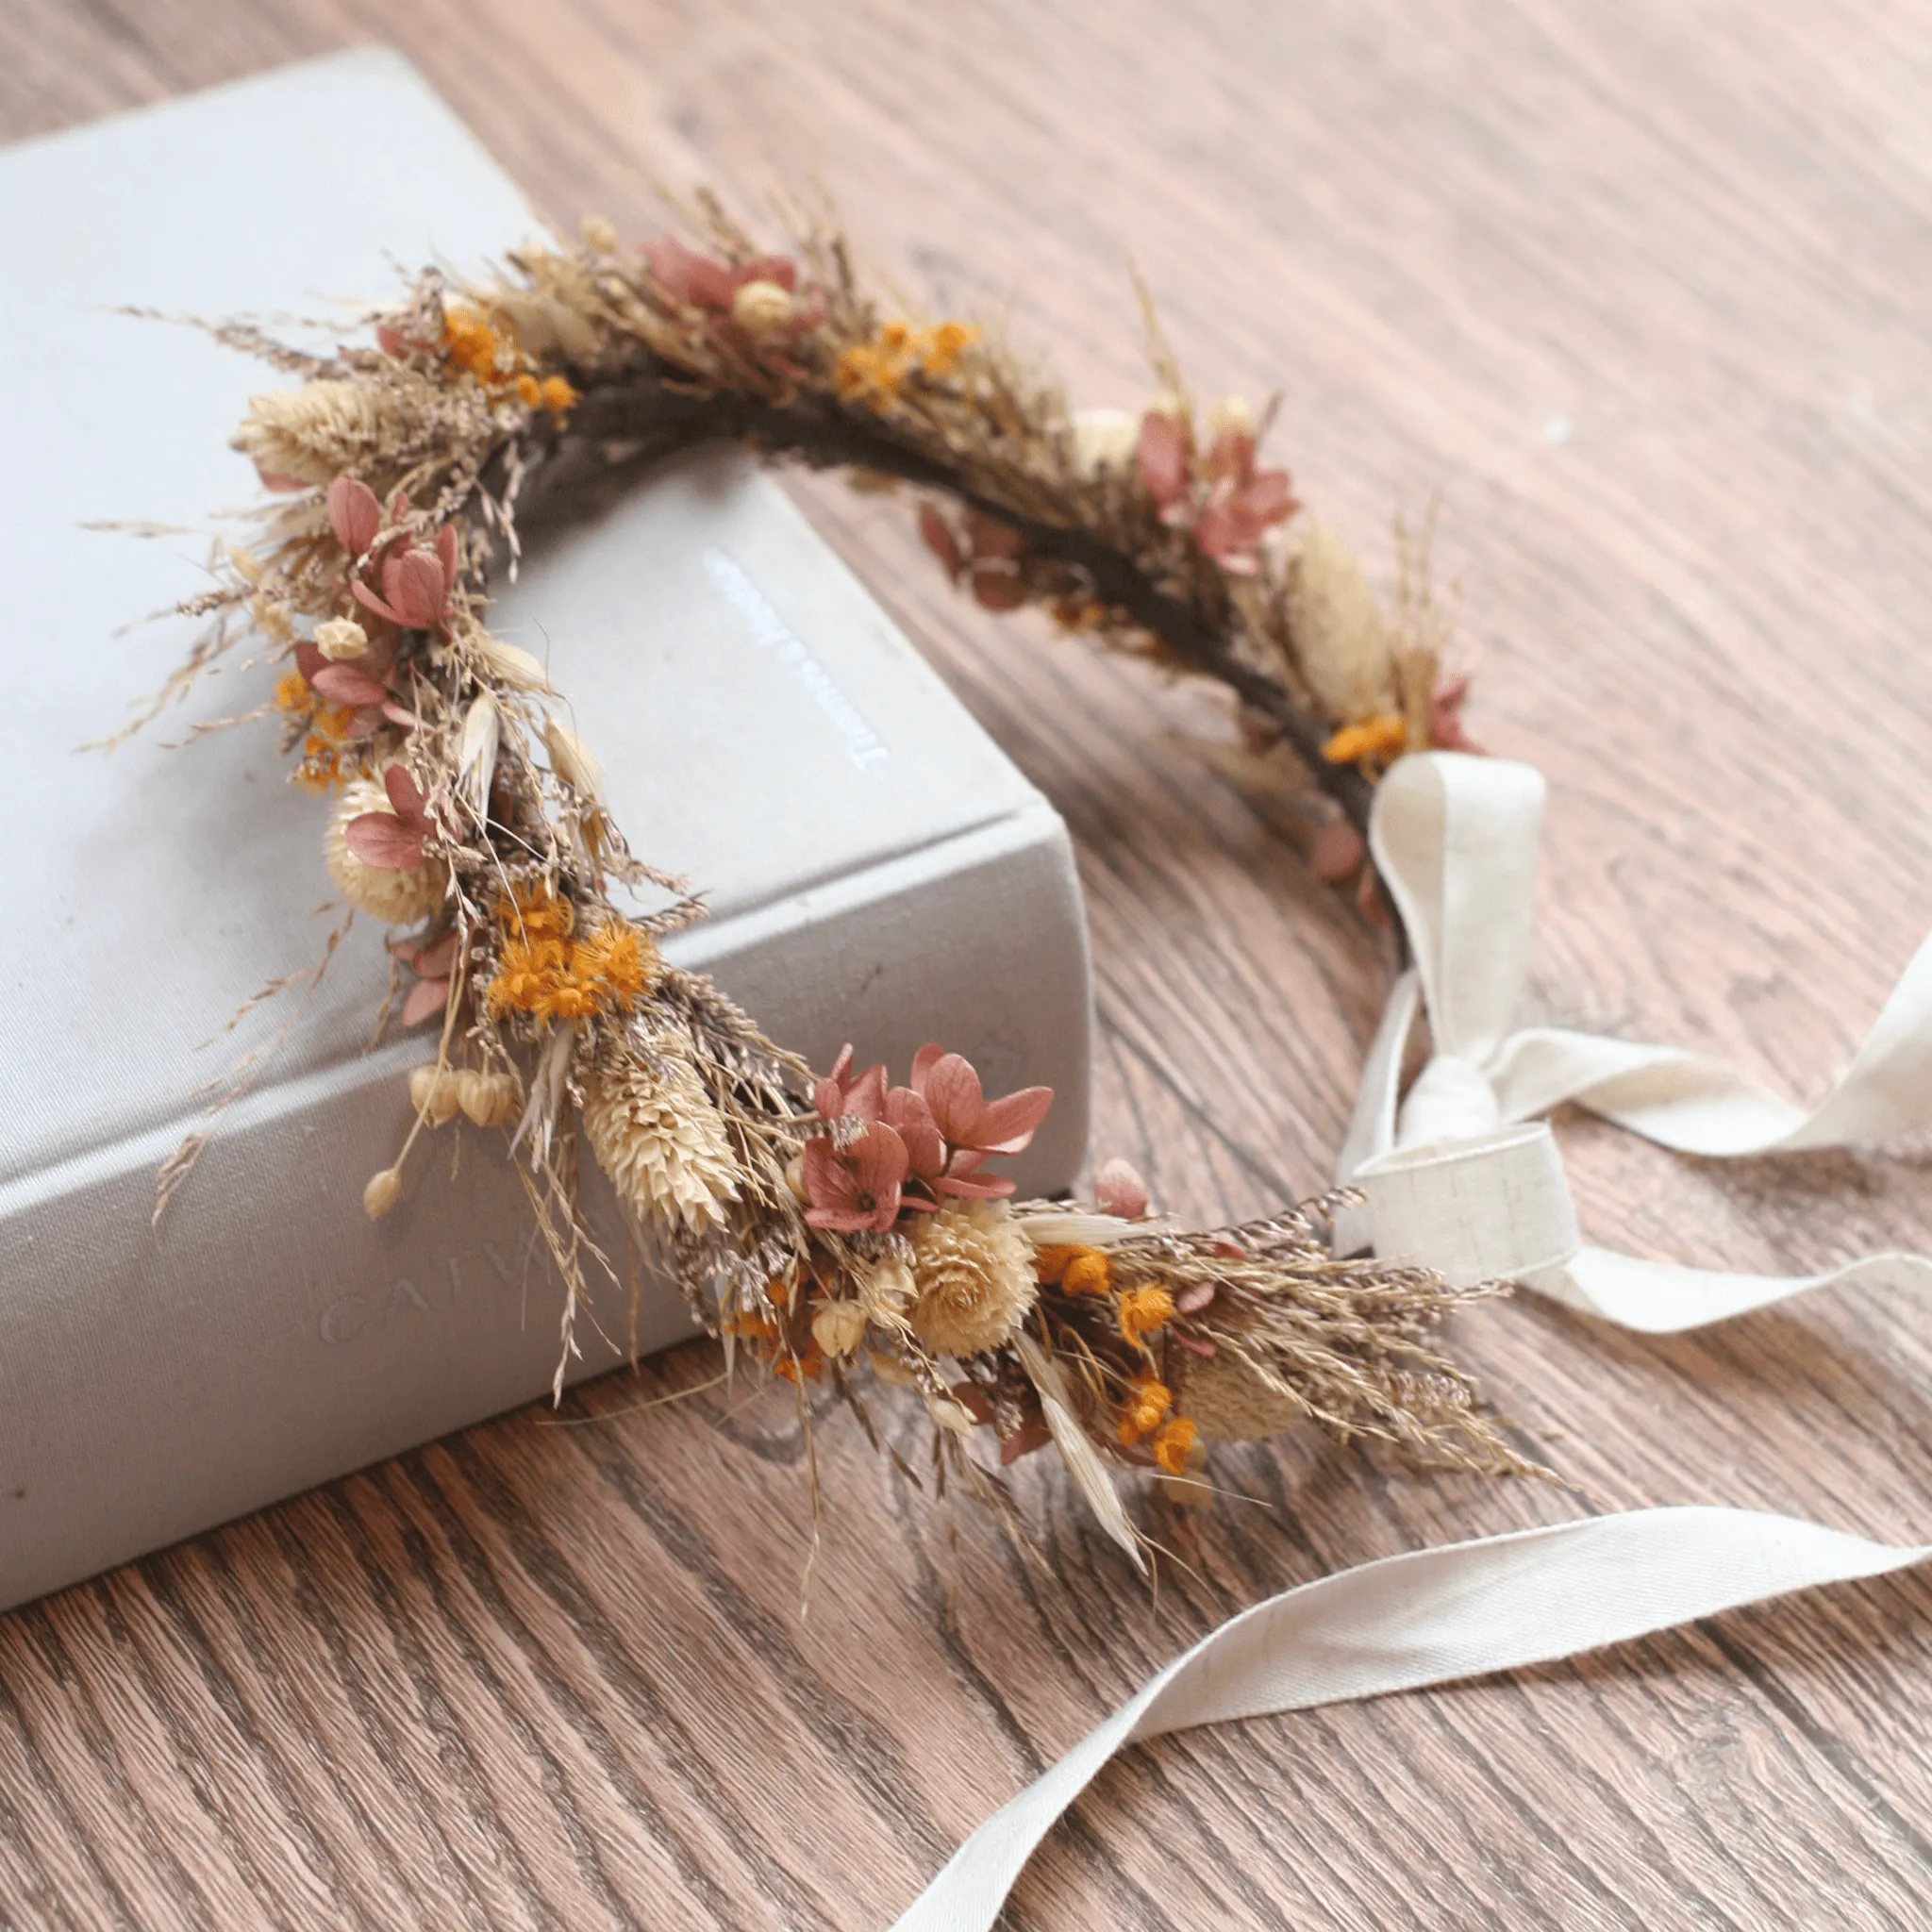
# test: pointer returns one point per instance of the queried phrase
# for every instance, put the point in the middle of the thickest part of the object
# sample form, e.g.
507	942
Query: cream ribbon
1463	1177
1425	1618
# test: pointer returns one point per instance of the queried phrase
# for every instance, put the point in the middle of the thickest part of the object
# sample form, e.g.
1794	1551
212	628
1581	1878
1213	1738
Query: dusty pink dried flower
857	1188
416	585
354	515
1445	717
950	1088
391	840
1120	1190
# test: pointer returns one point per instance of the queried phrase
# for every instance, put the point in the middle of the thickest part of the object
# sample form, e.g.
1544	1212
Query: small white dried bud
488	1100
477	752
509	664
571	760
838	1327
1231	416
341	637
599	234
383	1191
794	1180
1105	440
433	1091
760	307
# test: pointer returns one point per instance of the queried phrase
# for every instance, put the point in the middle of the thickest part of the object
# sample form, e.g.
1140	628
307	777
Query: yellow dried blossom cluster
874	372
546	972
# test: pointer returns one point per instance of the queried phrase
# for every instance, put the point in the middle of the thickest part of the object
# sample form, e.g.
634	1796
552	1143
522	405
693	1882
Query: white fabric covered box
877	869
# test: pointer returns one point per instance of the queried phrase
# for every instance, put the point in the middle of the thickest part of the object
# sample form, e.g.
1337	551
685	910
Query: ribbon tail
1698	1104
1430	1617
1656	1298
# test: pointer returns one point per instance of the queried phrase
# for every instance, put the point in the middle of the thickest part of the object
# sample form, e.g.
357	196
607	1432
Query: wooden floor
1644	292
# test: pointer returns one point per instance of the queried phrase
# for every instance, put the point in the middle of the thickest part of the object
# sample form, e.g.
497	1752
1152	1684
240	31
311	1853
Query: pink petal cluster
1229	504
415	583
391	840
914	1143
989	553
699	281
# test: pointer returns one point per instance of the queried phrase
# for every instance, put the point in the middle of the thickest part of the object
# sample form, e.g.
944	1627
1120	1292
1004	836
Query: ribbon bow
1464	1177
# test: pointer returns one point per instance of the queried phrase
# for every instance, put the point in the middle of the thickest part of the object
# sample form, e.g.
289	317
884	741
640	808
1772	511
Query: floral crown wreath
826	1224
819	1222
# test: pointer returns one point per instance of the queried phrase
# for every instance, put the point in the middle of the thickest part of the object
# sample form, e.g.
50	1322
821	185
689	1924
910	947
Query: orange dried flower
527	976
869	374
536	915
529	391
615	958
1090	1272
471	343
939	348
559	395
1143	1311
1175	1444
1144	1408
293	694
1080	1271
568	998
801	1368
1379	738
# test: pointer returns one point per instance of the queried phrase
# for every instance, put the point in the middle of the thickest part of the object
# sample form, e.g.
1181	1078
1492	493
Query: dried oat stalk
822	1223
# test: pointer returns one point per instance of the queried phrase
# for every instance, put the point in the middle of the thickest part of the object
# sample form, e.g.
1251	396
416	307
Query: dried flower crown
822	1225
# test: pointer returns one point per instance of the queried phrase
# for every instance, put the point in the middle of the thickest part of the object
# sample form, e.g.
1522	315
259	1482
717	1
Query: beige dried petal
476	751
886	1291
571	760
599	234
511	665
838	1327
950	1415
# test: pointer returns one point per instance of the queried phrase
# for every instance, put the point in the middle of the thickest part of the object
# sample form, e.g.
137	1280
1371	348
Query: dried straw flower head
973	1274
402	896
1347	651
656	1132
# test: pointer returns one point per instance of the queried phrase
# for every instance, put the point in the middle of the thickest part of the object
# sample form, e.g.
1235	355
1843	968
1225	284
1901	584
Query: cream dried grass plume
401	898
972	1269
655	1132
325	429
1347	651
